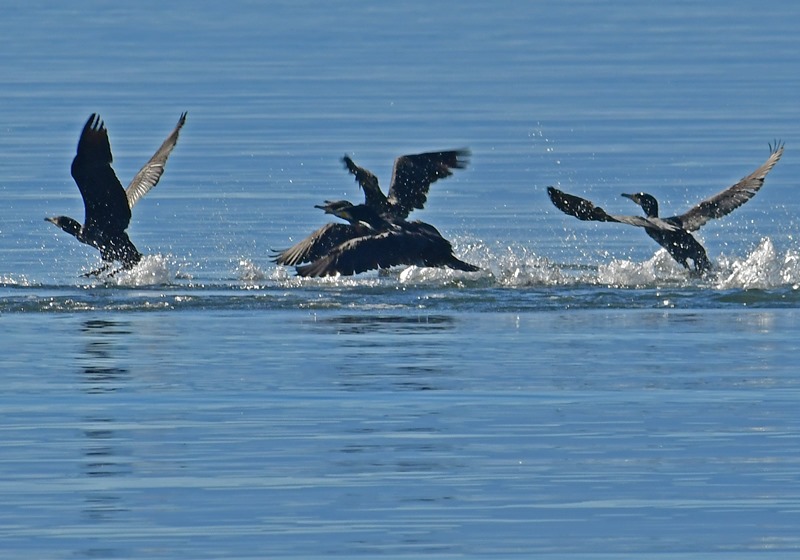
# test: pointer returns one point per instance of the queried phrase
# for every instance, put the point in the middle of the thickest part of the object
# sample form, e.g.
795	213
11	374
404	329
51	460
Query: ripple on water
511	277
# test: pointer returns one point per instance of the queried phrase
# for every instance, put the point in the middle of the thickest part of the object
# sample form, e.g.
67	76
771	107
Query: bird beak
324	207
51	220
631	196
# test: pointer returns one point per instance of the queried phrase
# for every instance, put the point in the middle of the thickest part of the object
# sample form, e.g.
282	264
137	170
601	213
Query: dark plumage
672	233
382	244
361	221
377	235
107	204
412	177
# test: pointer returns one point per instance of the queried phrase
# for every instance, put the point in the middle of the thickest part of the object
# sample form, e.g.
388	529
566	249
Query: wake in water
501	266
516	266
764	268
511	278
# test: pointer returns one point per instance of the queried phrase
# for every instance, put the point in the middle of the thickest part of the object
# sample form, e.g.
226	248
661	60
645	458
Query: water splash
152	270
12	280
511	265
518	266
764	268
417	275
511	277
660	269
249	272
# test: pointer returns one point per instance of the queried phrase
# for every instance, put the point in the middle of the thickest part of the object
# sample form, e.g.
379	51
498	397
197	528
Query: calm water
581	397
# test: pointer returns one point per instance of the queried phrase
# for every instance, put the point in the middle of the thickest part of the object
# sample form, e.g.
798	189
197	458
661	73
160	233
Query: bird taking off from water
362	221
412	177
673	233
107	204
377	243
377	234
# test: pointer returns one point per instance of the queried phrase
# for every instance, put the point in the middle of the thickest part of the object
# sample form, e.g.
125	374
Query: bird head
338	208
66	223
648	203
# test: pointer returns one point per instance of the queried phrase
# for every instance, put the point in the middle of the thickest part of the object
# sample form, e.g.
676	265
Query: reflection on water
105	345
102	507
390	351
387	434
369	323
101	452
100	361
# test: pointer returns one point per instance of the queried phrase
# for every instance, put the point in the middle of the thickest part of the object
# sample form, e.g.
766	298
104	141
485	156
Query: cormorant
411	180
361	221
673	233
412	176
381	244
107	204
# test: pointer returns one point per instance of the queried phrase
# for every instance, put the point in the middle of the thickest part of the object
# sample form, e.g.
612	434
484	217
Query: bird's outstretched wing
148	176
411	243
730	199
316	245
584	210
413	175
373	196
103	196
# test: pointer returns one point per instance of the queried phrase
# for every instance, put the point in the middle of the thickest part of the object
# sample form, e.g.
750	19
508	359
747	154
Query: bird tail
458	264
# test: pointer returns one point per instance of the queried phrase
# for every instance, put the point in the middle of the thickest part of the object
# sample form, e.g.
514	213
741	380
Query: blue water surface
581	396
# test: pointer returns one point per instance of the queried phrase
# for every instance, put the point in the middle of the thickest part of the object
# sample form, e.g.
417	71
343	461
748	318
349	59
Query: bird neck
650	206
375	199
366	215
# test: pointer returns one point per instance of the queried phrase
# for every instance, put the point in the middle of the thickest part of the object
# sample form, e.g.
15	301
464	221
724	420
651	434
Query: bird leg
97	272
113	272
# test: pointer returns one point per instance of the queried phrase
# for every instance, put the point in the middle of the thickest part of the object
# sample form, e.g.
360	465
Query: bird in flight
412	177
673	233
107	204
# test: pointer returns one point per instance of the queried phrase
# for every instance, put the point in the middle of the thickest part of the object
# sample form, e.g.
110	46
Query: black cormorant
673	233
411	180
107	204
412	176
381	244
361	221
